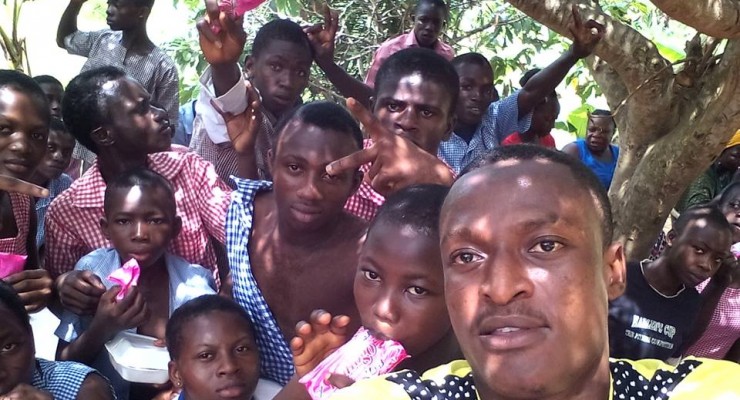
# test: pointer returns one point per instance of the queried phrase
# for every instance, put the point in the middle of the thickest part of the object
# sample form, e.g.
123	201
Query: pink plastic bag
237	8
126	276
11	264
735	250
364	356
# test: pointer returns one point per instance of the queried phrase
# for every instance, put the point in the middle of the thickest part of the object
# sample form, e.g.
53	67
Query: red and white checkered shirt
21	205
202	199
366	201
723	329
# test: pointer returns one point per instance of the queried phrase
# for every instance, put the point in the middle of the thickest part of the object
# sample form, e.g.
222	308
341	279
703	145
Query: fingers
373	128
591	25
340	381
352	162
232	26
331	20
320	321
576	16
207	33
10	184
253	97
93	283
339	324
136	312
212	10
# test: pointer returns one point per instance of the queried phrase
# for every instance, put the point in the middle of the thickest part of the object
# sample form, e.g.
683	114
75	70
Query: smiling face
416	109
399	287
428	23
476	92
23	133
16	352
218	358
140	222
697	253
280	73
526	281
309	199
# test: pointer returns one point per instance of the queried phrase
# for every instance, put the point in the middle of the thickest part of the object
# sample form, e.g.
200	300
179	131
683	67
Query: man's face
137	126
308	198
428	23
24	130
526	280
476	92
416	109
697	253
16	353
730	158
123	15
54	94
58	154
599	133
280	74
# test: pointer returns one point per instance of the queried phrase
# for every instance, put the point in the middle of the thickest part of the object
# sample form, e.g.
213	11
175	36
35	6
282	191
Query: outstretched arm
585	38
68	23
221	46
322	37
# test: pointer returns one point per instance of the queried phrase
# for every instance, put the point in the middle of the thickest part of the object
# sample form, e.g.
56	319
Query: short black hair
417	60
473	59
143	3
707	212
434	3
12	301
195	308
57	125
604	113
23	83
83	106
146	179
325	115
417	206
47	79
280	29
581	173
725	196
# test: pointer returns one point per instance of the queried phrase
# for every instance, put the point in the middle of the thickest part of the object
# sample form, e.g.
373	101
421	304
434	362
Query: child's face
17	352
58	154
307	197
399	287
280	74
218	358
476	92
416	109
140	223
23	134
428	23
123	15
54	94
731	209
697	253
137	126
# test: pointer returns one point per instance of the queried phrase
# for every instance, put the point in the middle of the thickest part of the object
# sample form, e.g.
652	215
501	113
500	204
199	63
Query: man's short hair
280	29
23	83
83	107
434	3
47	79
195	308
606	114
417	60
706	212
472	59
324	115
144	178
143	3
416	206
581	173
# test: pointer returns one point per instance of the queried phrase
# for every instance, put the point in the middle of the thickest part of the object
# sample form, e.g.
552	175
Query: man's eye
122	221
393	107
370	275
205	356
465	258
293	167
9	347
546	246
426	113
417	290
698	250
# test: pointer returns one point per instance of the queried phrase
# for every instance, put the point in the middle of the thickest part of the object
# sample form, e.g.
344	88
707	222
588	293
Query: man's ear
615	270
176	226
102	136
104	227
669	237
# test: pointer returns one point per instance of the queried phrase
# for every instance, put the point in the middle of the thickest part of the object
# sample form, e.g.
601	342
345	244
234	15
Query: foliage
13	46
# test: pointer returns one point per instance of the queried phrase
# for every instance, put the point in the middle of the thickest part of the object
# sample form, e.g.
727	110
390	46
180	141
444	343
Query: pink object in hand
364	356
126	277
735	250
237	8
11	264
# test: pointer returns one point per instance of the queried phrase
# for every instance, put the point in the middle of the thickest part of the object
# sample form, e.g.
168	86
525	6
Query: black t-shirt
645	324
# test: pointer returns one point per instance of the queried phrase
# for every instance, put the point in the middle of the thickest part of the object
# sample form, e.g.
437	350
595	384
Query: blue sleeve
502	119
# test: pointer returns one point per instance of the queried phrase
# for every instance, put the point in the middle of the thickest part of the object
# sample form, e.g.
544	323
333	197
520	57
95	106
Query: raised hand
316	339
396	161
243	128
80	291
33	287
322	36
585	35
221	37
114	316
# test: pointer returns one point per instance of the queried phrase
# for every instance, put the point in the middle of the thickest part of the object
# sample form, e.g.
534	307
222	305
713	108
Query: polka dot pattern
452	387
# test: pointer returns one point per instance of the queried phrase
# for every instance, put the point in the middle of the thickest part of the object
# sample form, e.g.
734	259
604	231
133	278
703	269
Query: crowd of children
428	212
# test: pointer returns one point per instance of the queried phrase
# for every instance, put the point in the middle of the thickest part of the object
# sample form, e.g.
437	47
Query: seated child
50	173
660	304
213	350
398	289
26	377
140	222
24	112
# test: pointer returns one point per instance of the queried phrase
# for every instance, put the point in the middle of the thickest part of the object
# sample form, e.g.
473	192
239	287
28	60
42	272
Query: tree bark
717	18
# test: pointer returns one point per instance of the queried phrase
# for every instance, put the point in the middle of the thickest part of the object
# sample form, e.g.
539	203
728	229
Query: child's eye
9	347
417	290
38	136
275	67
6	130
699	250
205	356
546	246
371	275
156	221
122	221
293	167
242	349
393	107
465	257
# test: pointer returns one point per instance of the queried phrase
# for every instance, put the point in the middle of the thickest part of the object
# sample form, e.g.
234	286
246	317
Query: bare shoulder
95	387
571	149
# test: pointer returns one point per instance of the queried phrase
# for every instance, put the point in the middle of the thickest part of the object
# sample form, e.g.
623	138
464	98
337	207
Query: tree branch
718	18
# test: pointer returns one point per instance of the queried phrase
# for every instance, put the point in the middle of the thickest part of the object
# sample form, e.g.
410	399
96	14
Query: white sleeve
234	101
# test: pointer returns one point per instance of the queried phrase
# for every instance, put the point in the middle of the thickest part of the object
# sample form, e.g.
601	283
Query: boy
657	312
430	17
50	171
527	284
278	68
292	248
54	91
111	115
596	151
140	221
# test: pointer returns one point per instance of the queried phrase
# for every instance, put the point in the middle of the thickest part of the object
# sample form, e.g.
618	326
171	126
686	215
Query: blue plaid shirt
62	379
56	186
501	120
275	355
